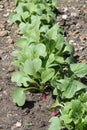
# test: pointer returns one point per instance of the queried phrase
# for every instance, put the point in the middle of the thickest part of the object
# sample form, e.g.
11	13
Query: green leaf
79	69
69	49
44	28
85	121
76	111
14	17
55	91
77	107
31	31
72	88
67	108
35	51
50	60
72	112
66	118
17	2
55	3
63	84
19	96
47	75
35	20
55	124
40	50
25	15
59	59
32	66
22	42
32	7
19	9
69	87
60	43
52	33
83	97
69	60
21	79
55	105
37	64
16	53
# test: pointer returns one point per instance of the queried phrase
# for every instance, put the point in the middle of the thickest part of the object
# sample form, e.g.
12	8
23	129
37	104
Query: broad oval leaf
69	60
69	49
35	51
59	59
66	118
79	69
25	15
55	3
29	67
37	64
19	96
72	88
50	60
32	66
55	124
40	50
47	75
44	28
14	17
16	53
22	42
52	33
21	79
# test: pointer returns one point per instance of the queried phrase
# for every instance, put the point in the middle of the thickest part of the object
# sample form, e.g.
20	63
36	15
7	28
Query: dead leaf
82	38
85	11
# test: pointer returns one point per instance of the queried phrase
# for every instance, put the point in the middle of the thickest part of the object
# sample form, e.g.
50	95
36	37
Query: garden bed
35	114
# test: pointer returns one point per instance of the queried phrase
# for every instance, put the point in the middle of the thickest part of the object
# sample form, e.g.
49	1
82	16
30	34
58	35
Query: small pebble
1	6
15	126
64	16
65	9
71	41
1	26
73	14
3	33
74	44
5	93
6	15
18	124
81	48
11	69
2	52
78	25
10	40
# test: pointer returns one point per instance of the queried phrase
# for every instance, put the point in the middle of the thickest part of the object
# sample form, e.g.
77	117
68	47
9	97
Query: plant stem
32	88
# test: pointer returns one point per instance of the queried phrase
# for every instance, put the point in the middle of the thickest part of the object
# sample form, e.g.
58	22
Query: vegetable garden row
45	60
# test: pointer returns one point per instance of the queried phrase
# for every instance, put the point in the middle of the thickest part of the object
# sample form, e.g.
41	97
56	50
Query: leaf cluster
42	47
73	115
26	9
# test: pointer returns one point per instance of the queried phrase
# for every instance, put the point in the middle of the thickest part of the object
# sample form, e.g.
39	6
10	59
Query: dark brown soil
72	16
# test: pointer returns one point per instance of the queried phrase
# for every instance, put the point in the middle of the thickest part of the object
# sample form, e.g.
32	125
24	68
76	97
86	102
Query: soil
35	114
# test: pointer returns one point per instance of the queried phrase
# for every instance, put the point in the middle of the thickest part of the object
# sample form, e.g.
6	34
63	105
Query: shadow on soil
28	104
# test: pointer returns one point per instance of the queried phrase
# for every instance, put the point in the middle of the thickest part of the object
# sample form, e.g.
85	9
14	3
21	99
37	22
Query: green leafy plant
44	59
41	62
73	115
26	9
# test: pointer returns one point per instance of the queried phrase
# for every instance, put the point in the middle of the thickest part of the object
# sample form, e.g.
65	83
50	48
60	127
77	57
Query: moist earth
35	114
